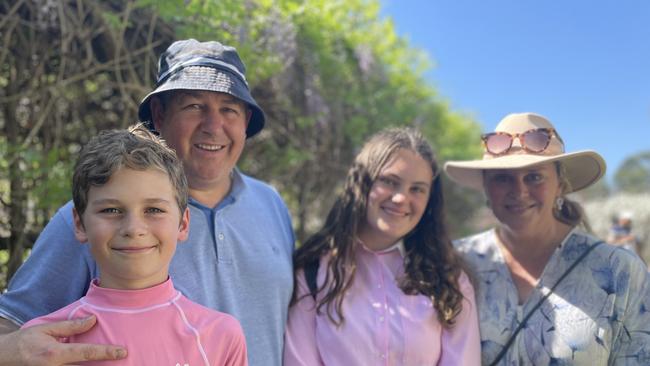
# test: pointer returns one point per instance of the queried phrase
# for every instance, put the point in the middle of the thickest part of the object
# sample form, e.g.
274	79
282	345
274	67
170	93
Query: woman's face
396	200
522	199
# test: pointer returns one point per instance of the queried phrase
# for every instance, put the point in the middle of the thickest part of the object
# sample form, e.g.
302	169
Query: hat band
200	61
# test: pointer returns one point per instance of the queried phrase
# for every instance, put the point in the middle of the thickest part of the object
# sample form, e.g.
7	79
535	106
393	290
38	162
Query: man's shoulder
258	185
260	193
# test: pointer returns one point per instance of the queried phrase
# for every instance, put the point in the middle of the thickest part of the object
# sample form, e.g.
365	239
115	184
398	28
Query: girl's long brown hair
431	265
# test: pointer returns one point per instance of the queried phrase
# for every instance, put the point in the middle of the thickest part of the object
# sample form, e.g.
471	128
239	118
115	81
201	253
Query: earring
559	202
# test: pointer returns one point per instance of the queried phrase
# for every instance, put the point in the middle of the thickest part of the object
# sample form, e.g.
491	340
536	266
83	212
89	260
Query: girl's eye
387	181
418	189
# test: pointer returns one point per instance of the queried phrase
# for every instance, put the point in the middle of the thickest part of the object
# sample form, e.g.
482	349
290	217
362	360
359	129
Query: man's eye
193	107
229	110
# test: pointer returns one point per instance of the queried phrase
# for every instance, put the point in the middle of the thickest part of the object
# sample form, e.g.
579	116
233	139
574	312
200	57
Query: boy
130	206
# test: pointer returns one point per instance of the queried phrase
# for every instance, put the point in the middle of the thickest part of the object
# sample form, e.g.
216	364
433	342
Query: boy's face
132	224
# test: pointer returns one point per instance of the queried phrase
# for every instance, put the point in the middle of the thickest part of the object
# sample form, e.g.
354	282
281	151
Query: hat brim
208	79
583	168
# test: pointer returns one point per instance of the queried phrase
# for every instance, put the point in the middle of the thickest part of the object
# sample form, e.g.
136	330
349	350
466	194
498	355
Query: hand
39	346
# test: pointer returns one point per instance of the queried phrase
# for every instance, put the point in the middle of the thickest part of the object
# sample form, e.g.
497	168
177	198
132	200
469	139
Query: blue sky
583	64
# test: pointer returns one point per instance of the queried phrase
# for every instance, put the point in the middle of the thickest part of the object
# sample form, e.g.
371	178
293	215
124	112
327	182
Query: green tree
634	174
327	73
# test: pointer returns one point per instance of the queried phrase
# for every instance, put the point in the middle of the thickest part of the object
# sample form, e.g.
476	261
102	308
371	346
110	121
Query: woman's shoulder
480	242
613	257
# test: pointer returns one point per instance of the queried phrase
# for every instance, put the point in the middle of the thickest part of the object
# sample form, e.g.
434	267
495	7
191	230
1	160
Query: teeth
210	147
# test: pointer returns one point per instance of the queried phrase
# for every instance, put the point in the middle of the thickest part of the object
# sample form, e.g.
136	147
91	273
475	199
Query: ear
157	112
249	114
79	229
184	228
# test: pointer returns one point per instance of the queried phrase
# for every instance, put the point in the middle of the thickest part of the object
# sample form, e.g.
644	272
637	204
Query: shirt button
379	286
381	318
383	356
221	236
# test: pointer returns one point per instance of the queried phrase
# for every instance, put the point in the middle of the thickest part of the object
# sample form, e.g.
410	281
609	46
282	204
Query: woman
549	292
380	283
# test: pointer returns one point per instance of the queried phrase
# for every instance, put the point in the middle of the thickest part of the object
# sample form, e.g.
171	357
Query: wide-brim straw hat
583	168
209	66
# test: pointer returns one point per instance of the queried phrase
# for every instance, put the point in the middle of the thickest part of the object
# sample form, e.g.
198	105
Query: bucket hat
583	168
211	66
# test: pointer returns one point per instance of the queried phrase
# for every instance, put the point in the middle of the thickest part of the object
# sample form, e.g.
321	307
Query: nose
212	122
133	226
519	187
398	197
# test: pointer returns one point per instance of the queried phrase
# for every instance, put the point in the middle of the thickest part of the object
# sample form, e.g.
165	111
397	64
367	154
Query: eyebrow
113	201
395	176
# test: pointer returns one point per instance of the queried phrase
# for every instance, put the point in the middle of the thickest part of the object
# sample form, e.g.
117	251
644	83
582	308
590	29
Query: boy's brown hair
134	148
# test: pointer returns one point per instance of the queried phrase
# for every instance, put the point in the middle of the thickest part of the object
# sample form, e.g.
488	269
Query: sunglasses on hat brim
534	141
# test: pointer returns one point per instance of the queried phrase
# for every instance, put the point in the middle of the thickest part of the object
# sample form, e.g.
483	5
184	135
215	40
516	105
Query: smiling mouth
394	212
134	250
209	147
519	207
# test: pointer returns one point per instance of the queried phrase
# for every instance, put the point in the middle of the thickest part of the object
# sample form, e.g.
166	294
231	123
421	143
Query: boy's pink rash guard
157	325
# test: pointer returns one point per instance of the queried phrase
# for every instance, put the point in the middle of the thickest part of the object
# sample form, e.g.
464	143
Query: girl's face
397	200
522	199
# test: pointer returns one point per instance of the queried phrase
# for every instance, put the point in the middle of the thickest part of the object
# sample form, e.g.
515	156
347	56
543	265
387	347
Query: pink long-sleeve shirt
157	325
383	326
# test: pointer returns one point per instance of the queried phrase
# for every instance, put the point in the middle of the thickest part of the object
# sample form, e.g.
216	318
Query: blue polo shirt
237	259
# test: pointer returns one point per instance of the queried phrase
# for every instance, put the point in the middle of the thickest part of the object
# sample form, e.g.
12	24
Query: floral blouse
598	315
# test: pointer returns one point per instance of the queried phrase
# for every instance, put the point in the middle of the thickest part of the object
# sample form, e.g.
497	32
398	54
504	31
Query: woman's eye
501	178
534	177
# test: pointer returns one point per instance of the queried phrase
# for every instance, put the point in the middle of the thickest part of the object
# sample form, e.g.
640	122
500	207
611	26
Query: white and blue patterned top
598	315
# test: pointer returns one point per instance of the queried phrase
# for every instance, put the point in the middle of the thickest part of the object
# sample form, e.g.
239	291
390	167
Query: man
240	239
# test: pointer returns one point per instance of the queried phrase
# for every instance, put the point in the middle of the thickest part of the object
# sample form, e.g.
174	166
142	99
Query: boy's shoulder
72	311
205	319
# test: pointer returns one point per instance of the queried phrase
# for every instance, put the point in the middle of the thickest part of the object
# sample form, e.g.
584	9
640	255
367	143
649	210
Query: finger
69	327
77	352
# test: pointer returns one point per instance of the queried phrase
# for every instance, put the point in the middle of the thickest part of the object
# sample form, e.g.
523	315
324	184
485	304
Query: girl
380	283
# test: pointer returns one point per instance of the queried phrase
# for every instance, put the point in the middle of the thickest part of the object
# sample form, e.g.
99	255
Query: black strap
311	272
540	302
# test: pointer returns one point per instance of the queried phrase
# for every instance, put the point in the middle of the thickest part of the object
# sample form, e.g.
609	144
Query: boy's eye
154	210
110	210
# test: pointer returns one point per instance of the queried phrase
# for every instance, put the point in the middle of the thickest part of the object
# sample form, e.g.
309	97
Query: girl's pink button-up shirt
383	326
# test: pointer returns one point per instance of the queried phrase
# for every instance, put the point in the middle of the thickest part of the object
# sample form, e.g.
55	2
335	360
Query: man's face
208	131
